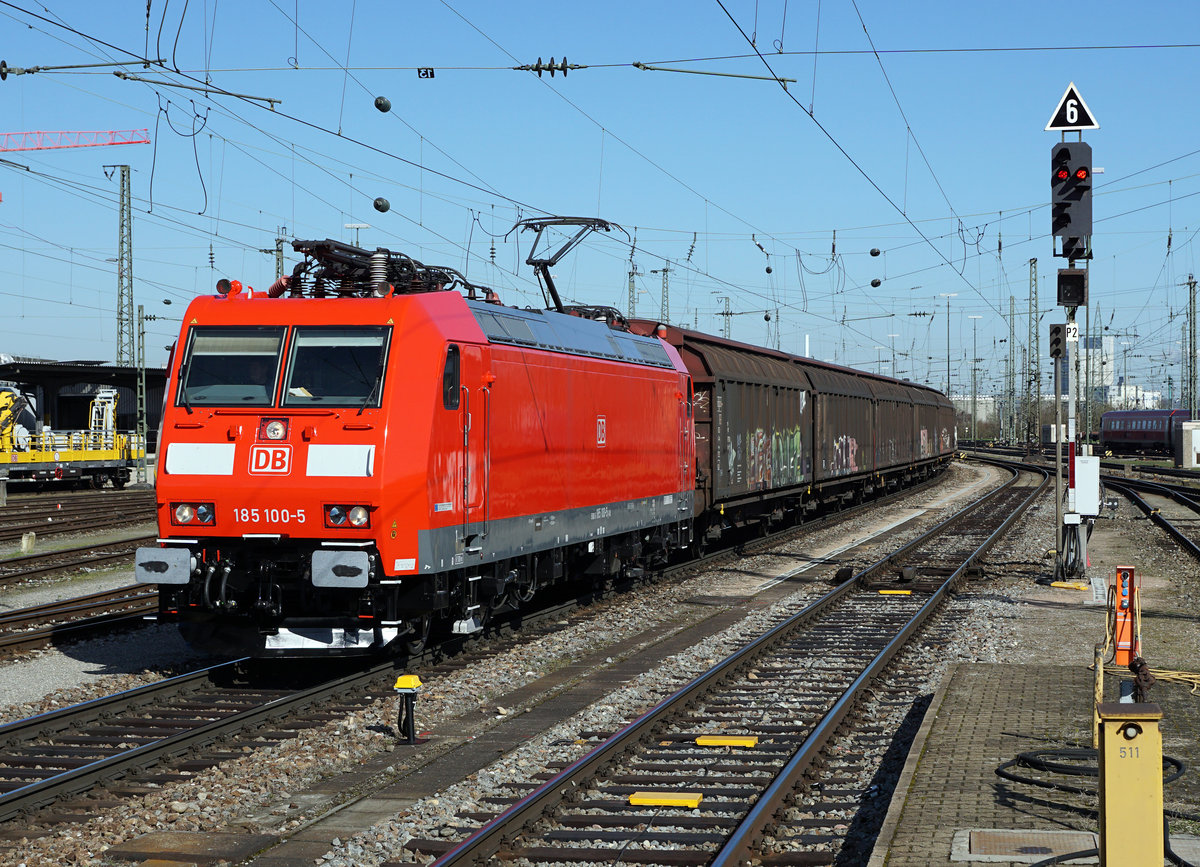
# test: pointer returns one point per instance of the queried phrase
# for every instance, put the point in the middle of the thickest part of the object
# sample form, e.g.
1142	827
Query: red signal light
1062	174
1081	173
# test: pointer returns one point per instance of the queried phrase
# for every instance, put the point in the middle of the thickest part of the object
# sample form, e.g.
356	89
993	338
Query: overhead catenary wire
803	260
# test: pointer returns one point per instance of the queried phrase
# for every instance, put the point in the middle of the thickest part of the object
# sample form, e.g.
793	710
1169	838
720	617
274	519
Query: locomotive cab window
336	366
450	378
230	366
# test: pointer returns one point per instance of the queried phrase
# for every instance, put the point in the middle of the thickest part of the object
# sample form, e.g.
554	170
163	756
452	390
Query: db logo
601	431
272	460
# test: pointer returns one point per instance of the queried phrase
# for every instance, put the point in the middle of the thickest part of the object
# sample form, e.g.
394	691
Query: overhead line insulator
550	67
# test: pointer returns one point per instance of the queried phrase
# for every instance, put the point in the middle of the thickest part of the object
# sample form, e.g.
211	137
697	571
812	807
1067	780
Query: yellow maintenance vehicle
33	453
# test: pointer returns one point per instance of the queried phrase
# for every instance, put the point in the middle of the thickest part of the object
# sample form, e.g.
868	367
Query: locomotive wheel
418	637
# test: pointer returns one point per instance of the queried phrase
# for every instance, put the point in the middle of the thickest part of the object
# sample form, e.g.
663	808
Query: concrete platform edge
887	832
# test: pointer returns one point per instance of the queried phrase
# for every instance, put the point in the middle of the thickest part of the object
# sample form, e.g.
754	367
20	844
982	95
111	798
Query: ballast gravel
267	783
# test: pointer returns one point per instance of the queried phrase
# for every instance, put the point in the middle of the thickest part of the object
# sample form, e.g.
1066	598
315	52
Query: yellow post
1131	791
1098	665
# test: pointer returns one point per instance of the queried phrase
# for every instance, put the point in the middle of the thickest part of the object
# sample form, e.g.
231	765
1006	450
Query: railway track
56	516
71	619
1174	508
174	728
706	776
47	757
15	569
38	764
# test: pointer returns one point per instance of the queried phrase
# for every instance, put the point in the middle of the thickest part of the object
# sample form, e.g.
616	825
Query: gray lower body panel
488	542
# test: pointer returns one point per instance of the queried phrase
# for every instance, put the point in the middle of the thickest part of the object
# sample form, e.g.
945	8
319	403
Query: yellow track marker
1071	585
727	741
895	593
690	800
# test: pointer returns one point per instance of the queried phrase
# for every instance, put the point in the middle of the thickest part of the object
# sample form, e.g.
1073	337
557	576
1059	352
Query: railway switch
1131	787
408	685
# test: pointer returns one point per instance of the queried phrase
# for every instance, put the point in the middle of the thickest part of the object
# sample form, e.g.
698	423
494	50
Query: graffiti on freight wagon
845	455
760	460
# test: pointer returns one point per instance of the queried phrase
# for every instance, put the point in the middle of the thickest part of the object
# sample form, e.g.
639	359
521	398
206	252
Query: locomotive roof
563	332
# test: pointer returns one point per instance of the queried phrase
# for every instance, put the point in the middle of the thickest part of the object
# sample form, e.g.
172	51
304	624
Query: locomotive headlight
193	513
273	429
347	516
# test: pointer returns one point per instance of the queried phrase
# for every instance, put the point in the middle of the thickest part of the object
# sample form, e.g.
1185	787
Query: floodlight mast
543	264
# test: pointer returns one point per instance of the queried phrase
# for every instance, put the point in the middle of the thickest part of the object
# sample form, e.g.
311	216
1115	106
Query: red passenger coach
360	454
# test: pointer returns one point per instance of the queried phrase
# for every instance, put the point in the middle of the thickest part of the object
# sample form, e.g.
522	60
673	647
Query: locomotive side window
450	378
230	366
336	366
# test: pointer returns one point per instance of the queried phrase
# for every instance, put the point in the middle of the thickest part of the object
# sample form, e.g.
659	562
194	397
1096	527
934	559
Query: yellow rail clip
895	593
747	741
689	800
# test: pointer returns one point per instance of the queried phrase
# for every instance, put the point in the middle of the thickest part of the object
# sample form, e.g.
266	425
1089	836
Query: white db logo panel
271	460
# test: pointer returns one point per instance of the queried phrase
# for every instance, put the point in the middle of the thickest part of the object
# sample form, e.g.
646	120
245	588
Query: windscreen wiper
371	396
187	404
378	376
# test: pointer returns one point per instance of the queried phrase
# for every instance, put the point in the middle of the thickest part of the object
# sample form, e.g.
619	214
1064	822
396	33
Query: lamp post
1125	374
974	387
948	296
878	358
142	428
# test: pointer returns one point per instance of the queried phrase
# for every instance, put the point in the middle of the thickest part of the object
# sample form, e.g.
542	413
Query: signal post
1130	746
1071	221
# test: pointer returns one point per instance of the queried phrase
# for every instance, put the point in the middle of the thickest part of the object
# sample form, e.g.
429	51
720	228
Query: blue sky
932	151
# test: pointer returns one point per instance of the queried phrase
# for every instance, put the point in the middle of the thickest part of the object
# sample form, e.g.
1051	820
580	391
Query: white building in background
987	406
1102	372
1133	396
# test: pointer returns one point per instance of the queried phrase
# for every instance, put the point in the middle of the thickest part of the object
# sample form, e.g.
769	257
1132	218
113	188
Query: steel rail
487	841
76	630
742	845
10	532
1130	490
80	617
65	719
79	605
82	778
81	561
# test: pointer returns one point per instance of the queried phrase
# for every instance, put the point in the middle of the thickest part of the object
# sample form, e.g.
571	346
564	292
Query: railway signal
1071	189
1057	330
1072	287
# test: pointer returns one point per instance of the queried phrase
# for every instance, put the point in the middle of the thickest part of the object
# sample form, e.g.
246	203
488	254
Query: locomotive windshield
230	366
336	366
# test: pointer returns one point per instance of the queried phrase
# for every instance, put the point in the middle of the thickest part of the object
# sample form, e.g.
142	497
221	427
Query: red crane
41	141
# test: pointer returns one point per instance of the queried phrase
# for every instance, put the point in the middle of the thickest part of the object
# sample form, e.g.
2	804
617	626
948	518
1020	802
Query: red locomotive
364	452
